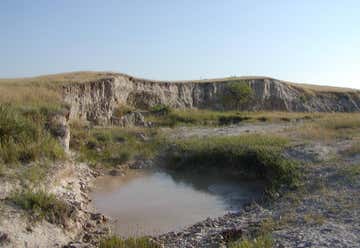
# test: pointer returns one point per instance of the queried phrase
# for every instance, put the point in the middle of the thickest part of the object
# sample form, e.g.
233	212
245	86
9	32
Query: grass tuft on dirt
263	241
116	242
42	205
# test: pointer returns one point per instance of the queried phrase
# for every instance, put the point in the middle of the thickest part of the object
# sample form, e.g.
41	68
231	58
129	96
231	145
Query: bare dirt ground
265	128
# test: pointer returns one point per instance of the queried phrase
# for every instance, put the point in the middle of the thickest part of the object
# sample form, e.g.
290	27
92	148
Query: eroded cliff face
95	101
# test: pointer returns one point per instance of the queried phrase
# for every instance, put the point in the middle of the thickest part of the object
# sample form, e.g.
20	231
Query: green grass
351	173
263	241
112	146
116	242
252	156
177	117
33	174
23	137
41	205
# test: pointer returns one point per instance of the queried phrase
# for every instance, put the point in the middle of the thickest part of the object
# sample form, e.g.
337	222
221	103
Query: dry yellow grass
42	90
52	80
323	88
28	95
330	126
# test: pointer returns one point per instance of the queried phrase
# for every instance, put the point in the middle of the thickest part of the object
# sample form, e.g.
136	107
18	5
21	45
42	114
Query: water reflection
150	203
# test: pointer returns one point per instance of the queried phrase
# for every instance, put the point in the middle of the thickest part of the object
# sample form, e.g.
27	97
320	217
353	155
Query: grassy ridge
254	156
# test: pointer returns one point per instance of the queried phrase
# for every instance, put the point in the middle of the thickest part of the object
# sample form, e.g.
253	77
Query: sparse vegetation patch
116	242
112	146
42	205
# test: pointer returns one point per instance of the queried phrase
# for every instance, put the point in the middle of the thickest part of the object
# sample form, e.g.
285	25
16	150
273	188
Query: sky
304	41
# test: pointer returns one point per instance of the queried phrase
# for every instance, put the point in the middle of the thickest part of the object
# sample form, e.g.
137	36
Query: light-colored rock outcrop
96	100
59	128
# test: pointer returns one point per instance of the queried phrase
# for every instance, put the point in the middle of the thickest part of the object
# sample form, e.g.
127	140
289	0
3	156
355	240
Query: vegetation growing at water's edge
42	205
23	136
252	156
112	146
116	242
237	94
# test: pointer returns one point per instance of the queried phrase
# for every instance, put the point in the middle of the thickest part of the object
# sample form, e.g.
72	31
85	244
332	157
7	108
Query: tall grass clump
42	205
116	242
250	156
112	147
23	137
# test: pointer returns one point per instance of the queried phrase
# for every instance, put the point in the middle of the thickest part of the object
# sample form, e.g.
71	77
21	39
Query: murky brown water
151	203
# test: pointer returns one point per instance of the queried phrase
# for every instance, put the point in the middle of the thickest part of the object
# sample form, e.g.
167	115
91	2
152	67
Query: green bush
237	94
23	137
232	119
42	205
160	109
116	242
252	156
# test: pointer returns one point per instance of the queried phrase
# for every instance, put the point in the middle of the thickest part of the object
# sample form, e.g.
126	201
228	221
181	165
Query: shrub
160	109
232	119
42	205
116	242
237	94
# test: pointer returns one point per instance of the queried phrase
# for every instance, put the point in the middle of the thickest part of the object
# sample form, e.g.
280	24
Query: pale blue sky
315	41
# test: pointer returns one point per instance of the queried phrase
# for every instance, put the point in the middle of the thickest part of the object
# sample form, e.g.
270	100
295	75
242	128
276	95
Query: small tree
237	94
